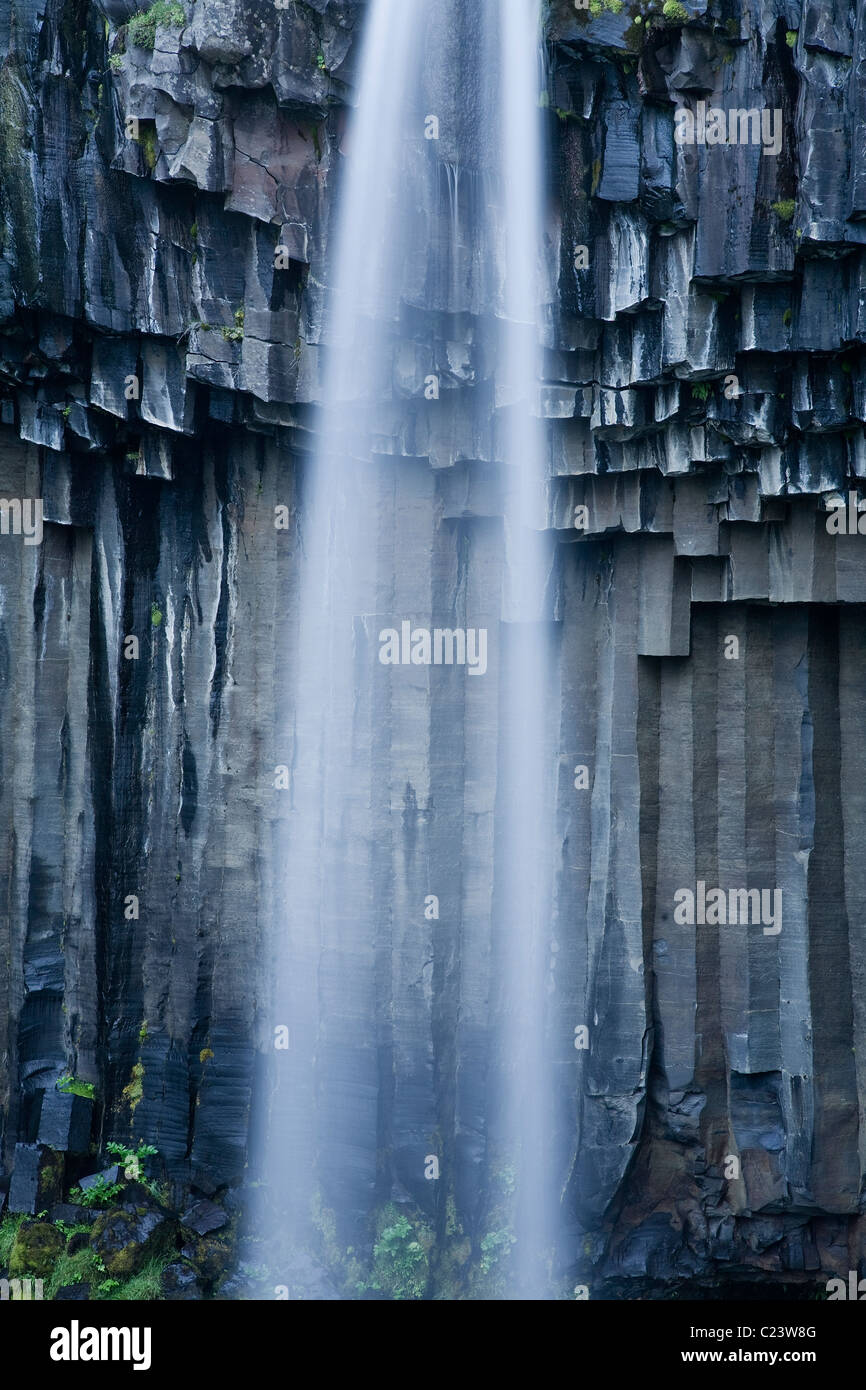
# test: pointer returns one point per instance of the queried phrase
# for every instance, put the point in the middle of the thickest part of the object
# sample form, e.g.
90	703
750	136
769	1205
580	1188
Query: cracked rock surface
165	229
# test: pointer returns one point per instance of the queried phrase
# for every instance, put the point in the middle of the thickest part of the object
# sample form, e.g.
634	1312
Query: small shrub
791	38
115	62
235	335
700	390
784	209
143	27
675	12
399	1263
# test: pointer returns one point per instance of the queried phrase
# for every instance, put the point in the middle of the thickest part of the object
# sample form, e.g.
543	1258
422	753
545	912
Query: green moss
205	1055
791	38
71	1086
675	12
115	62
156	620
133	1092
786	317
596	176
143	27
784	209
36	1247
147	141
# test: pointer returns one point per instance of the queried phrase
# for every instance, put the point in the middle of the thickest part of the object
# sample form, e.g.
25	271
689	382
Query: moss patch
36	1249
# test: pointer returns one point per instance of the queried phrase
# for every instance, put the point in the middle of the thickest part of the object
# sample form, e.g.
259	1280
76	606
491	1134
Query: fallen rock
37	1178
180	1283
126	1240
204	1216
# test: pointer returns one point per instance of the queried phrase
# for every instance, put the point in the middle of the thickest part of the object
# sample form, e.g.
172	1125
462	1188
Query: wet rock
204	1216
179	1282
126	1240
36	1178
64	1122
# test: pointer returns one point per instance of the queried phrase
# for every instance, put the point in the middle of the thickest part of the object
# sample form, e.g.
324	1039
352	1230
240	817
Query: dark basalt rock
179	1282
127	1239
204	1216
37	1178
139	828
64	1122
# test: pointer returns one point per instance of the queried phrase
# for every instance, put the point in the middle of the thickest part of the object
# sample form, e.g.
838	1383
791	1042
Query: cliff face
165	243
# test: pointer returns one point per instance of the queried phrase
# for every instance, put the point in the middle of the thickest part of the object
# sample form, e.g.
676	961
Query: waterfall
435	244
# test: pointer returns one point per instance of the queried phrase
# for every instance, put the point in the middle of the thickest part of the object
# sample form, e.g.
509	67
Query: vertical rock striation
165	217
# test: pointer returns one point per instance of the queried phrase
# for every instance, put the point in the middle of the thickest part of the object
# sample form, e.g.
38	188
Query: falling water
395	256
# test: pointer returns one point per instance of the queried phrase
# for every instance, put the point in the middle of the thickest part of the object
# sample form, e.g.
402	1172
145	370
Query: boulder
36	1249
126	1240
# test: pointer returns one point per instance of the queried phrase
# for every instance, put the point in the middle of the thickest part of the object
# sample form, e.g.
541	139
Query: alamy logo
22	516
737	907
855	1292
76	1343
714	126
441	646
20	1289
845	519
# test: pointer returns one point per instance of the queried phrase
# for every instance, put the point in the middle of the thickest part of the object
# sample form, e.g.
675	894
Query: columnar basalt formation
165	217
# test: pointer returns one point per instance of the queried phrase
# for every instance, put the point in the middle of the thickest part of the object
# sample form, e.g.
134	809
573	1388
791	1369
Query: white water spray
328	1108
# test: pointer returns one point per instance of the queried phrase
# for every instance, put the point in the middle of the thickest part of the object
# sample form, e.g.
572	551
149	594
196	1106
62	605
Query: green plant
133	1092
67	411
675	12
98	1194
8	1231
115	62
143	27
784	209
494	1247
791	38
79	1268
142	1032
400	1265
320	62
787	316
71	1086
146	1285
700	390
108	1285
235	335
193	231
156	619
